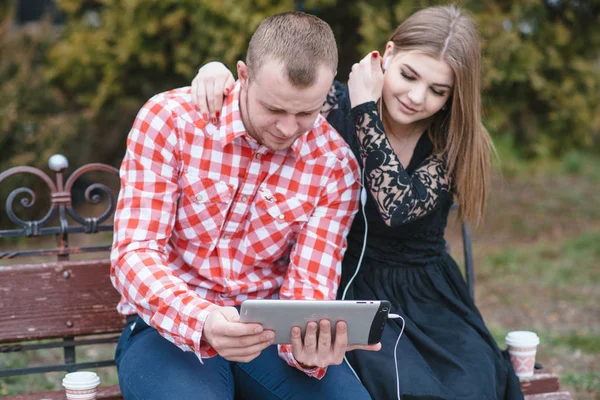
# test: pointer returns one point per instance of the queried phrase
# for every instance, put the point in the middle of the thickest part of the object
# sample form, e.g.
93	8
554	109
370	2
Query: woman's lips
406	109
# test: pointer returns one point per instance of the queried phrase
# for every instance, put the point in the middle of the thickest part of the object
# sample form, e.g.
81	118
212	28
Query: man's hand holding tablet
319	349
307	326
233	340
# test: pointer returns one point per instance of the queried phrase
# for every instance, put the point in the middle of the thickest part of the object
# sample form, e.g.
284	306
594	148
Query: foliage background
75	87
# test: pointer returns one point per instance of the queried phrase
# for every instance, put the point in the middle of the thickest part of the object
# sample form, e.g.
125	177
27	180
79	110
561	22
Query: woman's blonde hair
446	33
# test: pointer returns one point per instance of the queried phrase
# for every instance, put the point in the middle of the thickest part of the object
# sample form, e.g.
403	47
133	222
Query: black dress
446	352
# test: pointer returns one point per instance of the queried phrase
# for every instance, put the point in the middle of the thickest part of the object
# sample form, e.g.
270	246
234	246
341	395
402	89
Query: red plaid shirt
207	217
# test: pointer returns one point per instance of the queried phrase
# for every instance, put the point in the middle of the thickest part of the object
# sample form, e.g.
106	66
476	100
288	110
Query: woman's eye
438	93
407	77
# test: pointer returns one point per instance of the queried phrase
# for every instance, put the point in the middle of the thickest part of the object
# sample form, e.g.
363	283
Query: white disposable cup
522	348
81	385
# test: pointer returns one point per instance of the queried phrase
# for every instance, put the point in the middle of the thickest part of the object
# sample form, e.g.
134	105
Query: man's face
274	112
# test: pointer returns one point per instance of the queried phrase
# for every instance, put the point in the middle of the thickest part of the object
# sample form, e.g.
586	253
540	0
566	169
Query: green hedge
76	89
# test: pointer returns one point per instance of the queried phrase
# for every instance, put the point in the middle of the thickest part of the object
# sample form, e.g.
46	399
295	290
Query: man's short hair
302	42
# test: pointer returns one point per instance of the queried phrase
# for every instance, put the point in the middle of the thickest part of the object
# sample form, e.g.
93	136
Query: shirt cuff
201	346
285	352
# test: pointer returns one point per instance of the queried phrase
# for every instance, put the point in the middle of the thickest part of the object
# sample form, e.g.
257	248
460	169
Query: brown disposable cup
522	349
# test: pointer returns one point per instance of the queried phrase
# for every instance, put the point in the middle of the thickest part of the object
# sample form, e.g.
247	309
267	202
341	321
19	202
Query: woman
413	119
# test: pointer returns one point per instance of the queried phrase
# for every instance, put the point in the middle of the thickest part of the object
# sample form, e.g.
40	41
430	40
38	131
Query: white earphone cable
363	201
394	316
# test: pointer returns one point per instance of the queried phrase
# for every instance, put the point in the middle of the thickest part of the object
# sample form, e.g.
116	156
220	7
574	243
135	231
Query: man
256	204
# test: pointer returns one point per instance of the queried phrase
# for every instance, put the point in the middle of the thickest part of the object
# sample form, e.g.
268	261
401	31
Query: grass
52	380
587	381
586	343
19	384
571	262
50	242
549	287
537	262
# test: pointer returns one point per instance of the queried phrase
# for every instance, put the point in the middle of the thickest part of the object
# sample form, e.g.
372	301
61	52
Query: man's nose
288	125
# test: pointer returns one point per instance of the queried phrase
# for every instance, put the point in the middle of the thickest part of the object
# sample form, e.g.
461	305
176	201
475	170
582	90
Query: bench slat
58	299
550	396
539	383
104	393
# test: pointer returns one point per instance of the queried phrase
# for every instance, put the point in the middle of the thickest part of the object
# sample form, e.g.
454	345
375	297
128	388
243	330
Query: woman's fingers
221	92
229	85
376	61
222	88
199	97
208	88
210	100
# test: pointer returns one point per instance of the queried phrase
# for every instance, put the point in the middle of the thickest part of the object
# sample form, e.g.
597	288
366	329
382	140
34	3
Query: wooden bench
63	303
69	303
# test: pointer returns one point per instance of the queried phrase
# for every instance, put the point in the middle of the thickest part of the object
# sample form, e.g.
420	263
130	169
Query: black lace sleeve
400	197
332	102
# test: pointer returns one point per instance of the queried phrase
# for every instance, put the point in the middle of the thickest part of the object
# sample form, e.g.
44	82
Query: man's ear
242	72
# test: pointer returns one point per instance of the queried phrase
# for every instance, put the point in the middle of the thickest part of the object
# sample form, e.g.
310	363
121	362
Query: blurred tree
33	10
35	119
116	54
77	89
542	73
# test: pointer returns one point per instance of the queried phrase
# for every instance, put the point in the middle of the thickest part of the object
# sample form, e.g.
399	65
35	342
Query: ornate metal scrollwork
93	195
61	204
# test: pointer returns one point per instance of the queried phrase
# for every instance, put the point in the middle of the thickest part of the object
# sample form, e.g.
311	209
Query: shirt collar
230	120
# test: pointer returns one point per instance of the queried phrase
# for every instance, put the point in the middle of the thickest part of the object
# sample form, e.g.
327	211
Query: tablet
365	319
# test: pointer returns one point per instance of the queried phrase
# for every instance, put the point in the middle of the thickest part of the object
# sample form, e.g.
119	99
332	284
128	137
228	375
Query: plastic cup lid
522	339
81	380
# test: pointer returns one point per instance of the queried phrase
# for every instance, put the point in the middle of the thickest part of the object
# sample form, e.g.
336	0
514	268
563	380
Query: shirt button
281	216
257	156
244	199
199	197
226	237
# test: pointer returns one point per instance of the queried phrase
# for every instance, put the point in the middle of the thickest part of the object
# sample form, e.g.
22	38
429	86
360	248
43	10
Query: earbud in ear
386	63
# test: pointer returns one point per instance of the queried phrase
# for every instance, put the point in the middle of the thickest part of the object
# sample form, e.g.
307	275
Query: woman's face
415	86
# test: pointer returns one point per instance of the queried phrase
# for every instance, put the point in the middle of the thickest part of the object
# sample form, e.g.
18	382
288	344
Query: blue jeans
150	367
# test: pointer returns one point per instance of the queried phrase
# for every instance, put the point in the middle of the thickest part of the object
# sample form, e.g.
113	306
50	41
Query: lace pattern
332	101
400	197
